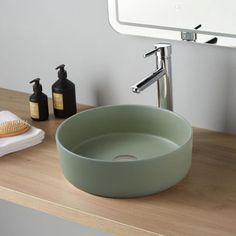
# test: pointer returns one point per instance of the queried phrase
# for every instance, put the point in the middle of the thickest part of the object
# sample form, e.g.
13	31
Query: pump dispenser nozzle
62	74
37	86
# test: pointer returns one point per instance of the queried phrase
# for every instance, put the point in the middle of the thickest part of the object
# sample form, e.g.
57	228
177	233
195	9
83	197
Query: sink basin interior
112	132
125	146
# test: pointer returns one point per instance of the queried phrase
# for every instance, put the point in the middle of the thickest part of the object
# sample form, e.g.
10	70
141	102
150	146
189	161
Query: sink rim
188	125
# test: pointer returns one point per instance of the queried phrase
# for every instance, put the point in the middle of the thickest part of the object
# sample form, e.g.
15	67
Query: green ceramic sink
124	151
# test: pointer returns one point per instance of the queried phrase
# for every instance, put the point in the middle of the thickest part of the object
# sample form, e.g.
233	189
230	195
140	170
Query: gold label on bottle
58	101
34	110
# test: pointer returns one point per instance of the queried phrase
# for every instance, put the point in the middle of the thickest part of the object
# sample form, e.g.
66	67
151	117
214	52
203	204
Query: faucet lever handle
151	52
163	49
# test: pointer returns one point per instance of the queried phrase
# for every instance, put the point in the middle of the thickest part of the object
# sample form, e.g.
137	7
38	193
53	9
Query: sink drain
125	158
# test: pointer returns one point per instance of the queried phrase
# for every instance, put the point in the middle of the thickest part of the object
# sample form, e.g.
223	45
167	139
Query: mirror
197	21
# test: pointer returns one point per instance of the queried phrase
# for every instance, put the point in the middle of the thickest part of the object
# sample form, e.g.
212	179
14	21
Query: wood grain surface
204	203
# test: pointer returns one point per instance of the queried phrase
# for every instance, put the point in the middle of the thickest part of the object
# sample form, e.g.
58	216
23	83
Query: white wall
36	36
230	125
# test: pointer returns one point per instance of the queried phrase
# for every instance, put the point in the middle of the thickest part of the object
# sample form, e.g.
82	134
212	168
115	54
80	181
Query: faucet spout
149	80
162	75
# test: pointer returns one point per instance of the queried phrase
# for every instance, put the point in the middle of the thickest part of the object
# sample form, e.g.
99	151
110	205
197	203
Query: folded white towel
15	143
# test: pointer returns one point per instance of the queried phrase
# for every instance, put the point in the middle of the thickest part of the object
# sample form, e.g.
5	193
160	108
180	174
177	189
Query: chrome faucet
161	75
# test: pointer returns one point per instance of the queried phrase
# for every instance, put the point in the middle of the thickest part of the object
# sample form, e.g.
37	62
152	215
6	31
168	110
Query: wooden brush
13	128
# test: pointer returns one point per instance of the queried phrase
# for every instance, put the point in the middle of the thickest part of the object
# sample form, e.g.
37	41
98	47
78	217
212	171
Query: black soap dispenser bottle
63	95
38	102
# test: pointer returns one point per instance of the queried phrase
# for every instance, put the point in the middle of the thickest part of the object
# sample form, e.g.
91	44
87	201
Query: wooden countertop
204	203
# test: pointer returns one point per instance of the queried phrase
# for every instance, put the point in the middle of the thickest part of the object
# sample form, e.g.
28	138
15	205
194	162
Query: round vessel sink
124	151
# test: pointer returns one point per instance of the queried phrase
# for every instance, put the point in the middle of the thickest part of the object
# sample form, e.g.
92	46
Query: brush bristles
13	127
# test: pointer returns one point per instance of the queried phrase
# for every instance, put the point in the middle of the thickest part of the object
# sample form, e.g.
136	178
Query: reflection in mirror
197	21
